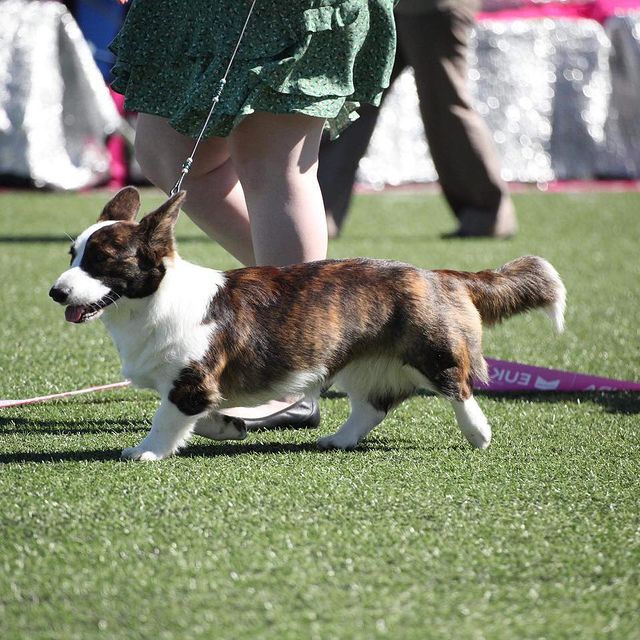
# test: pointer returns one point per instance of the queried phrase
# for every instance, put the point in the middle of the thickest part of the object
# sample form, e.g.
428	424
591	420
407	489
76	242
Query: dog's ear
123	206
157	226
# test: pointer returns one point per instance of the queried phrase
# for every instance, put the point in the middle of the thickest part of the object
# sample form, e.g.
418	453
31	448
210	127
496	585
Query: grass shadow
617	402
27	426
231	449
93	455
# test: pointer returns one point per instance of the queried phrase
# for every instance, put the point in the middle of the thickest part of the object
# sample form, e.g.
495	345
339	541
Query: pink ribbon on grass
505	376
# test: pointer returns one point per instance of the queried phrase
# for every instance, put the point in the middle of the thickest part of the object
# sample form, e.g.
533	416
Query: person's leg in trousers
339	159
338	166
435	44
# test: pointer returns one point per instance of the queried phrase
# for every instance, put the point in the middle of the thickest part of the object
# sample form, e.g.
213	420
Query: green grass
415	535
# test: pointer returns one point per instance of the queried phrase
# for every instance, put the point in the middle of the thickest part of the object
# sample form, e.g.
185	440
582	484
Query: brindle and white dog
206	340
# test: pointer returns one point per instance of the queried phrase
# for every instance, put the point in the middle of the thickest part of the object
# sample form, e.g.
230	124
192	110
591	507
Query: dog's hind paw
220	427
140	455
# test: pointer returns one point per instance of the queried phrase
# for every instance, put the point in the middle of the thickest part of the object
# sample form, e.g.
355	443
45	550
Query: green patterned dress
318	57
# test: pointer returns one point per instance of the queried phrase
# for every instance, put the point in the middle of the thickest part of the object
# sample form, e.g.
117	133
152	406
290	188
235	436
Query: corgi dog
207	340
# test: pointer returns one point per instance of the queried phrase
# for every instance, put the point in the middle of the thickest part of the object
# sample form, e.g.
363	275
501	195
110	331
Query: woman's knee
275	148
161	152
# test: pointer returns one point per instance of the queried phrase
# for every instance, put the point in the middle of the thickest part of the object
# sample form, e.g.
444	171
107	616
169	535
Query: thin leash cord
186	166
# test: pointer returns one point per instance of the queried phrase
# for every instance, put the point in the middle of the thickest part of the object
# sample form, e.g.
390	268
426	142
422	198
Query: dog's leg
472	422
364	417
450	375
217	426
169	431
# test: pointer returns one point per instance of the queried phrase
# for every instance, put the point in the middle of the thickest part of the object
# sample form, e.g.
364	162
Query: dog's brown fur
272	321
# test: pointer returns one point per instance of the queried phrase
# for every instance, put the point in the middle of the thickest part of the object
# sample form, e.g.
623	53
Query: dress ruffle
318	57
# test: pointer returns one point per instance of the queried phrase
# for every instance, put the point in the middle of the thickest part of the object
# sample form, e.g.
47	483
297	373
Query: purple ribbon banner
505	376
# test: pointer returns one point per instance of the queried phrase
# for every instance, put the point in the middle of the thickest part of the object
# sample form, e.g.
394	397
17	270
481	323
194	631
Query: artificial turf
414	535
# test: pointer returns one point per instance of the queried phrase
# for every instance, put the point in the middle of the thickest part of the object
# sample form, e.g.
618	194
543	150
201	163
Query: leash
5	404
505	377
186	165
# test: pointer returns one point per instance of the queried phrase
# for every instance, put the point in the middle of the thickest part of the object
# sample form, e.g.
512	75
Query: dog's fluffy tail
520	285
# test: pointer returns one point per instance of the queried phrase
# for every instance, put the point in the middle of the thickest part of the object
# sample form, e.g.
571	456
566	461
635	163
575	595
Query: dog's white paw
221	427
337	441
480	440
479	436
139	454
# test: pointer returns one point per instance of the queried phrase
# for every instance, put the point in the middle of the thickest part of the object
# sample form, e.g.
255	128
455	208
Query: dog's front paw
140	454
337	441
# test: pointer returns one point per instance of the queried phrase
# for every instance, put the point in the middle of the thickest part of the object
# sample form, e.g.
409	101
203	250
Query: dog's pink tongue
73	313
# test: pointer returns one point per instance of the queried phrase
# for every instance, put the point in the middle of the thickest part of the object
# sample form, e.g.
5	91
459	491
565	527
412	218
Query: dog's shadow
198	448
195	450
623	403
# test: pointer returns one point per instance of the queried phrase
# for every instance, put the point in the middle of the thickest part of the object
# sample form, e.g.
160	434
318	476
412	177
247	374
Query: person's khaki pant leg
436	44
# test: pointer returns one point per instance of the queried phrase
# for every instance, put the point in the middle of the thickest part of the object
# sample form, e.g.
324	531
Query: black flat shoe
304	414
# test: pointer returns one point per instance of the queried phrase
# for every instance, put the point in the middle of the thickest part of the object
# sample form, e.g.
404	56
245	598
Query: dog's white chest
158	336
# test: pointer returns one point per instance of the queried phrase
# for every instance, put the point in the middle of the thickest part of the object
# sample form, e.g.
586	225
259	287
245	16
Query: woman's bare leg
215	201
276	155
276	158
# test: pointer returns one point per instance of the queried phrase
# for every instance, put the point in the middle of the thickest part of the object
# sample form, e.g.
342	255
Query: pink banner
513	376
598	10
117	148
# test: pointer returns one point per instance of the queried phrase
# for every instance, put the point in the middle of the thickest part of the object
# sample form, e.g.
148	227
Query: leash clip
216	98
186	166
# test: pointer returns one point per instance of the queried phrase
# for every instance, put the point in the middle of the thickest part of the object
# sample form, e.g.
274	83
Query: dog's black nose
59	294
